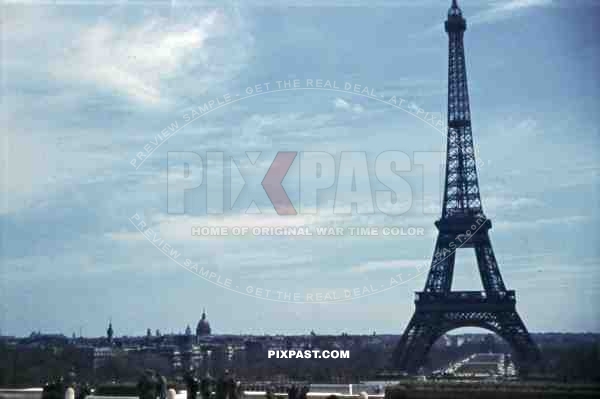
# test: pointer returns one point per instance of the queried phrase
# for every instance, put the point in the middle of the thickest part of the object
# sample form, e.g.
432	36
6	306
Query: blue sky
86	86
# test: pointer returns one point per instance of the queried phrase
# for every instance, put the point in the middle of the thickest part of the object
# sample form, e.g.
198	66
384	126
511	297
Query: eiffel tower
462	225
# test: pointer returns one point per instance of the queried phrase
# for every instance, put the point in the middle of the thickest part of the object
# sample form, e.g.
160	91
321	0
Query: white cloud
505	9
146	59
149	61
506	201
496	11
34	167
396	264
540	223
345	105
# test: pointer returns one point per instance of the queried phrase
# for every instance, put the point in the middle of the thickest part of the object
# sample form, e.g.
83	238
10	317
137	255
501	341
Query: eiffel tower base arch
432	319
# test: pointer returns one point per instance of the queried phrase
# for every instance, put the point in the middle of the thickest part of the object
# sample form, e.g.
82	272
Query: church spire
110	331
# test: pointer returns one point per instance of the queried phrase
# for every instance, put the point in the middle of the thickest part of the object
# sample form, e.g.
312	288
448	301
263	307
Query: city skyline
116	76
156	331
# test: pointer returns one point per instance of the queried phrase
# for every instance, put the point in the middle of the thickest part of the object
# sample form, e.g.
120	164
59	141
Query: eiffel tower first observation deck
462	225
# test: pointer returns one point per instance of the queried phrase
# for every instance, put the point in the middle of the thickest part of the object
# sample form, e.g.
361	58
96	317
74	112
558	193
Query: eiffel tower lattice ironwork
463	224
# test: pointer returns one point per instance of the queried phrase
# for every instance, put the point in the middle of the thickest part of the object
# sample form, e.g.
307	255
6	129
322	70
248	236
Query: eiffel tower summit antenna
463	224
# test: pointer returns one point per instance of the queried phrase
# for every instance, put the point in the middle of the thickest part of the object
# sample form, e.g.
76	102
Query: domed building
203	328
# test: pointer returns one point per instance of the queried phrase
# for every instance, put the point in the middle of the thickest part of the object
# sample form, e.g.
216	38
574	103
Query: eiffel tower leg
488	267
420	334
440	274
513	330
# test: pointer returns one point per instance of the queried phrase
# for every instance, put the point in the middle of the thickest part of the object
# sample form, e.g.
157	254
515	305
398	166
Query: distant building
102	355
37	339
203	327
110	333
